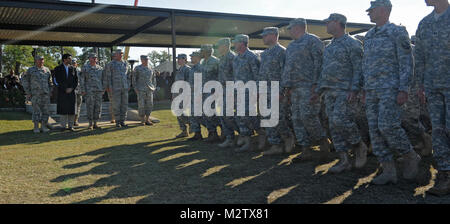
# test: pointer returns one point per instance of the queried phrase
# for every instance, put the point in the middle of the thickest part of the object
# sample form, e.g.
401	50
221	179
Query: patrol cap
336	17
118	51
224	41
92	55
206	47
182	56
144	57
38	57
378	3
241	38
270	30
298	21
195	54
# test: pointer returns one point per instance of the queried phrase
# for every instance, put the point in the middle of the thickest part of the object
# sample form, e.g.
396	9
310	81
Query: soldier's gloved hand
69	90
83	93
402	97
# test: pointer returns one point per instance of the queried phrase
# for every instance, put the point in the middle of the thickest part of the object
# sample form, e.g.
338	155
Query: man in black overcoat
66	80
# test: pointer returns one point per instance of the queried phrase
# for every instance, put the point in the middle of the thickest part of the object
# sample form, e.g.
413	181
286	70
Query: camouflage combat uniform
93	82
387	67
301	73
432	57
229	125
144	81
341	74
272	65
210	72
246	68
37	82
118	80
182	75
194	122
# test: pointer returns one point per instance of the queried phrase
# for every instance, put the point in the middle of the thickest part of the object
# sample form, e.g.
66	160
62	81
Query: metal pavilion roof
57	23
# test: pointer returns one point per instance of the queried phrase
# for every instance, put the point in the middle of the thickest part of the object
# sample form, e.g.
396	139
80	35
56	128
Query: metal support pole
1	58
174	42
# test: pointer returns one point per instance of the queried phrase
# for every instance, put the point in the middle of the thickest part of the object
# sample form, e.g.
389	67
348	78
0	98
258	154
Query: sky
405	12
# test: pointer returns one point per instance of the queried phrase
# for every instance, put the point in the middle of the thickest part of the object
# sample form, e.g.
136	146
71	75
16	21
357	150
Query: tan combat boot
96	125
36	128
246	146
410	165
274	150
360	151
442	185
389	174
289	143
44	127
343	164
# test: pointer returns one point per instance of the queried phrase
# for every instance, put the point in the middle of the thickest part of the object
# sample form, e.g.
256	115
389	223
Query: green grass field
147	165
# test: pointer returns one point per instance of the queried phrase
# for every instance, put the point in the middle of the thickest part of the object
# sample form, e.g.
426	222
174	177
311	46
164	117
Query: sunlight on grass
193	162
324	168
279	193
165	149
214	170
288	161
339	199
178	155
364	180
421	190
258	156
239	181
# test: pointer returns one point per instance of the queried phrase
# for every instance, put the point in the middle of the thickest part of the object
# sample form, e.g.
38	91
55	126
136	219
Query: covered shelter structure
65	23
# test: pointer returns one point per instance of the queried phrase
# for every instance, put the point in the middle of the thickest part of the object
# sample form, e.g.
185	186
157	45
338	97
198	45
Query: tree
19	57
157	57
104	54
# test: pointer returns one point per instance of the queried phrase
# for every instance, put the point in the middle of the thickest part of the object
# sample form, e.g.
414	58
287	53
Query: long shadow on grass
178	171
28	137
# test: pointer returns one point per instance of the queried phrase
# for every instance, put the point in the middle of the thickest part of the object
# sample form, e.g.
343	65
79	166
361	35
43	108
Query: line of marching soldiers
353	92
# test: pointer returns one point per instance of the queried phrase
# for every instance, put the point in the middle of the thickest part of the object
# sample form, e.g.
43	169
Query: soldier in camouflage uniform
229	125
272	65
432	56
92	87
245	68
78	94
37	83
210	72
387	68
299	80
410	118
194	122
118	84
144	83
182	75
340	82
